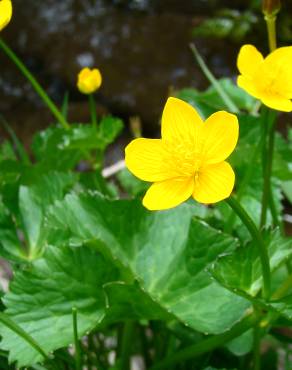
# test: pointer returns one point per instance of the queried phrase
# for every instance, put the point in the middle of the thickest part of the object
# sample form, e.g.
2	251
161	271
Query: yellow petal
249	60
214	183
180	122
168	194
278	68
148	160
277	102
249	85
219	137
5	13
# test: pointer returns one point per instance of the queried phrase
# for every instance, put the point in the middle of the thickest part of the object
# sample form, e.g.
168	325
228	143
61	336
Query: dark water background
141	47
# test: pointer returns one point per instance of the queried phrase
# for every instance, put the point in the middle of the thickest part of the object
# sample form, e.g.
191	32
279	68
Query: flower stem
126	345
271	28
274	212
256	348
76	342
267	162
92	107
40	91
245	181
250	225
9	323
207	344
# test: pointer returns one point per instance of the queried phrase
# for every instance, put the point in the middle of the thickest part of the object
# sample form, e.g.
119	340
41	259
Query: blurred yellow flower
267	79
189	160
5	13
89	80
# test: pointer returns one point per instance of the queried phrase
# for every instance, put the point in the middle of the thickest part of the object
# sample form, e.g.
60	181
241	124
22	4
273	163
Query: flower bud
89	80
5	13
271	7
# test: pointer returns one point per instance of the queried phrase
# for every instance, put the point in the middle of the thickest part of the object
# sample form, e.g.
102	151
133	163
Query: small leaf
108	130
34	199
241	270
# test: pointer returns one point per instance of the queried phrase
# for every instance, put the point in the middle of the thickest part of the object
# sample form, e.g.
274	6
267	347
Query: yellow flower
267	79
89	80
189	160
5	13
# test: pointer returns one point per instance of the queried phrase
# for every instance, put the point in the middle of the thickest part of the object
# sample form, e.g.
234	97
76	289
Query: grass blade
226	99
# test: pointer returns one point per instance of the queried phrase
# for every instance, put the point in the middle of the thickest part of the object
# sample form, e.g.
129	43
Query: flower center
183	156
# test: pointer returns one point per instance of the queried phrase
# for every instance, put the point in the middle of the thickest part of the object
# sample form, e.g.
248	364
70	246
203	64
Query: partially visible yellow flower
5	13
189	159
267	79
89	80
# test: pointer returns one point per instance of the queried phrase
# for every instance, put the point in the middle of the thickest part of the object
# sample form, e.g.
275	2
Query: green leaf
129	302
108	130
167	252
11	325
246	161
241	345
10	246
95	181
21	223
48	149
130	183
287	189
241	270
60	149
6	151
210	98
34	199
41	299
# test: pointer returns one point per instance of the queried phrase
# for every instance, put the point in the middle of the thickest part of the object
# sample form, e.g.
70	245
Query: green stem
40	91
207	344
274	212
9	323
92	107
256	348
250	225
226	99
76	342
271	28
126	345
257	343
144	345
267	159
245	181
65	104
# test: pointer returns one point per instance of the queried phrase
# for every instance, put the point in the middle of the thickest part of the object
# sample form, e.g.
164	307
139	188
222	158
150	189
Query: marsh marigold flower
5	13
267	79
89	80
189	159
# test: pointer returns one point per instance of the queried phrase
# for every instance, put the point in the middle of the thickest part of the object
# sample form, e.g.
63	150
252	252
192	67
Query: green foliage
227	24
209	101
241	271
149	245
42	296
35	195
58	148
166	286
